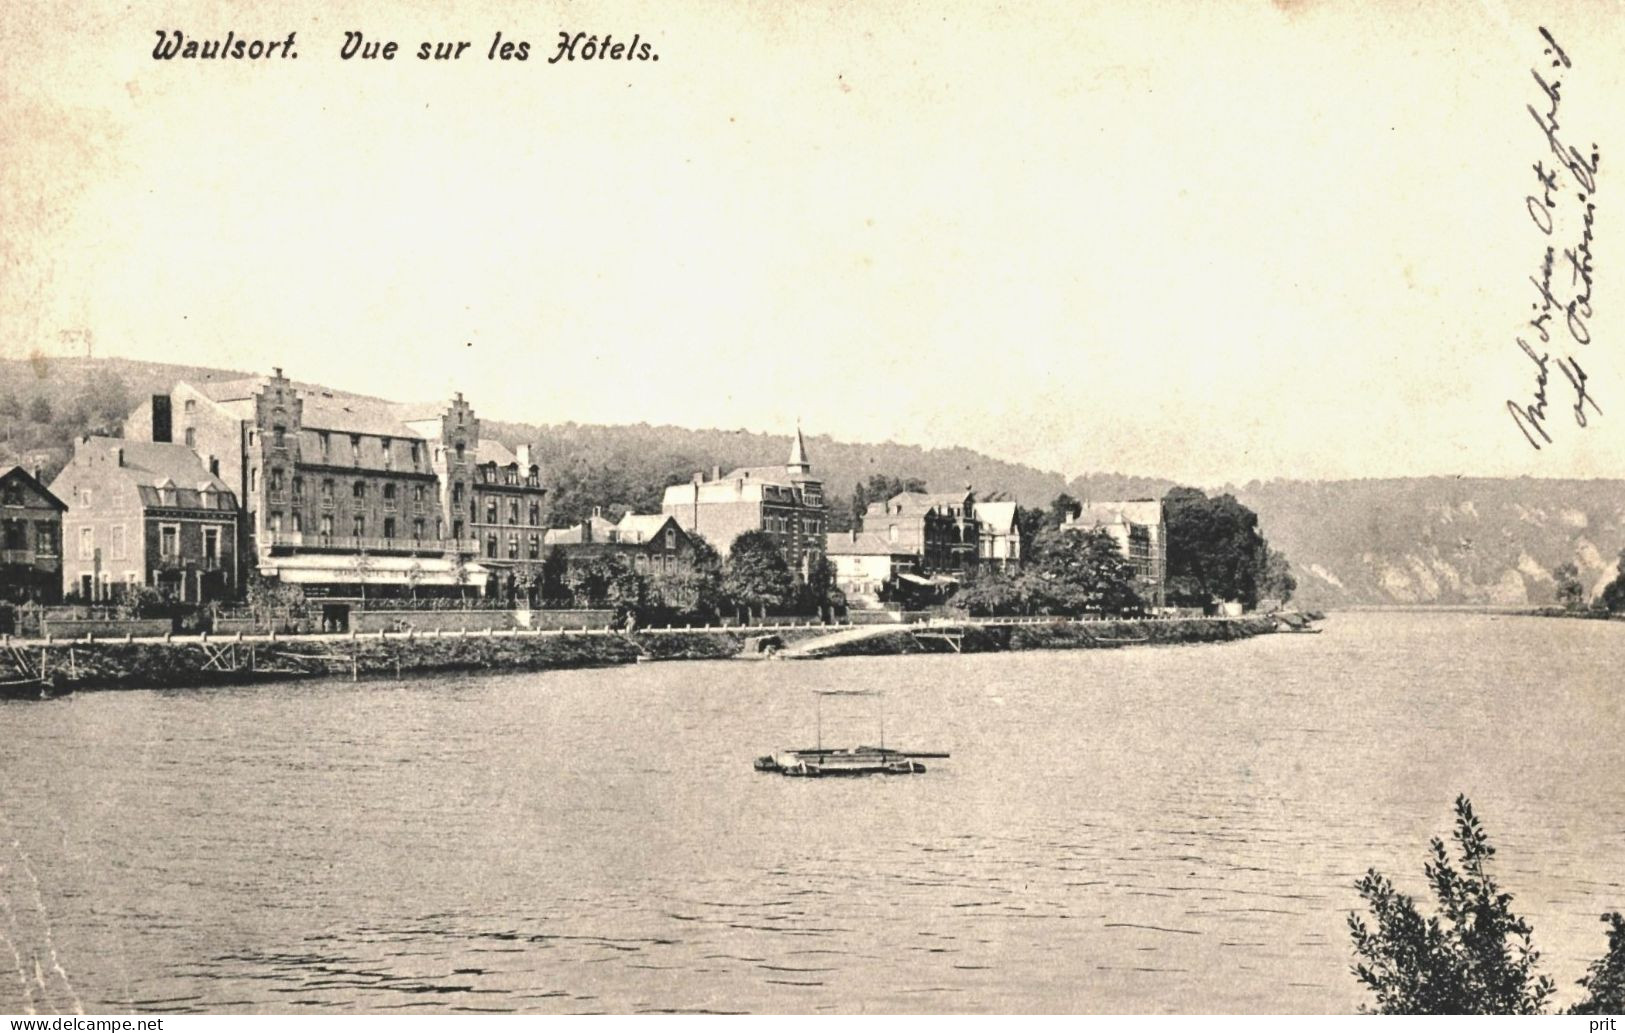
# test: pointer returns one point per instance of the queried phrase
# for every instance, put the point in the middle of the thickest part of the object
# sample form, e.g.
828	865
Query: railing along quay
712	629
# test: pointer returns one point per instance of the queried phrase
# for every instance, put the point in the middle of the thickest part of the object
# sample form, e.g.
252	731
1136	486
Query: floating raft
861	760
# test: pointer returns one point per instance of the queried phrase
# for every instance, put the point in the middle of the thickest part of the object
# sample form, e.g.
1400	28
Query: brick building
343	493
939	529
786	502
1140	531
651	543
146	513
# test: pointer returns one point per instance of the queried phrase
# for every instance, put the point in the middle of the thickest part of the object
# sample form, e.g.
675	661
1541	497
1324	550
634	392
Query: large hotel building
342	491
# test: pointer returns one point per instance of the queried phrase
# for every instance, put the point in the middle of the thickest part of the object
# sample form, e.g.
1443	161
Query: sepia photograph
832	507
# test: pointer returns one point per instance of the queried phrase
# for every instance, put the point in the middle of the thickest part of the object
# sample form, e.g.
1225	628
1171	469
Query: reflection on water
1141	830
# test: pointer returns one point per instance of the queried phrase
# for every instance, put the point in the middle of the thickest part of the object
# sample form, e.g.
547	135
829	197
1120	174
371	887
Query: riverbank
177	662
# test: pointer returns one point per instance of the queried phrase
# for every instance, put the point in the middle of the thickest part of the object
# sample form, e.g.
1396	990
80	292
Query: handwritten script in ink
1563	208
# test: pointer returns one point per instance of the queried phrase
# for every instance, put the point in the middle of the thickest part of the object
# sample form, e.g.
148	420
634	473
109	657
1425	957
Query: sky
1210	241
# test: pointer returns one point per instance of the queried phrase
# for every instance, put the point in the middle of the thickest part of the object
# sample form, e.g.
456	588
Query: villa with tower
786	502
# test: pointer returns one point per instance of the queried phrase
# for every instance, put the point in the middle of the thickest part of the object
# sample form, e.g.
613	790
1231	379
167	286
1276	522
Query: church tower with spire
810	488
799	467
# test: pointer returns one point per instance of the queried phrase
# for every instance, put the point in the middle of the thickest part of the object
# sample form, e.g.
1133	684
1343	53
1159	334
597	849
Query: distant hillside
46	403
1430	540
1443	540
630	466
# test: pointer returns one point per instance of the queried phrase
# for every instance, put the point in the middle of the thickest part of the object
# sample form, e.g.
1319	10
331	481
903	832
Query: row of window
16	537
358	490
169	542
493	510
533	547
787	525
490	473
358	525
324	446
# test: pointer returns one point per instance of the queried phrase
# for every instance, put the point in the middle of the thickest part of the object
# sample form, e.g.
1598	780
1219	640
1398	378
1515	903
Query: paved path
824	643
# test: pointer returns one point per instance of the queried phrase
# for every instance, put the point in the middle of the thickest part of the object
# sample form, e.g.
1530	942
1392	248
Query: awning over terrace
375	570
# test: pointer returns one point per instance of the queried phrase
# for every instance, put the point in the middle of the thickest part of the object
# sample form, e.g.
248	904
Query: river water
1140	830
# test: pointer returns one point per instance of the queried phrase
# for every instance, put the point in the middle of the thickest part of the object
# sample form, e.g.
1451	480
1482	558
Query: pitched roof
864	543
151	467
764	474
642	527
910	503
572	535
491	451
32	482
355	415
997	517
156	463
326	408
228	390
1129	511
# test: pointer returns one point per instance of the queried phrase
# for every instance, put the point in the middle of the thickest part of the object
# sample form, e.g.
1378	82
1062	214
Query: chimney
118	454
38	471
853	533
162	421
586	531
276	371
524	458
699	477
597	511
716	473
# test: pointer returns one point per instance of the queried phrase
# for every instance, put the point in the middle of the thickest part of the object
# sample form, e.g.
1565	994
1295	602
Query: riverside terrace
36	668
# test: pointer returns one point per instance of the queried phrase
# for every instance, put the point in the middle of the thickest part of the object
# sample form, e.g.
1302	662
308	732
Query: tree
692	589
820	593
269	598
1605	979
1215	550
1474	958
991	595
39	410
107	402
1274	578
555	569
756	576
1613	597
1030	522
1570	592
1077	572
140	601
11	411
